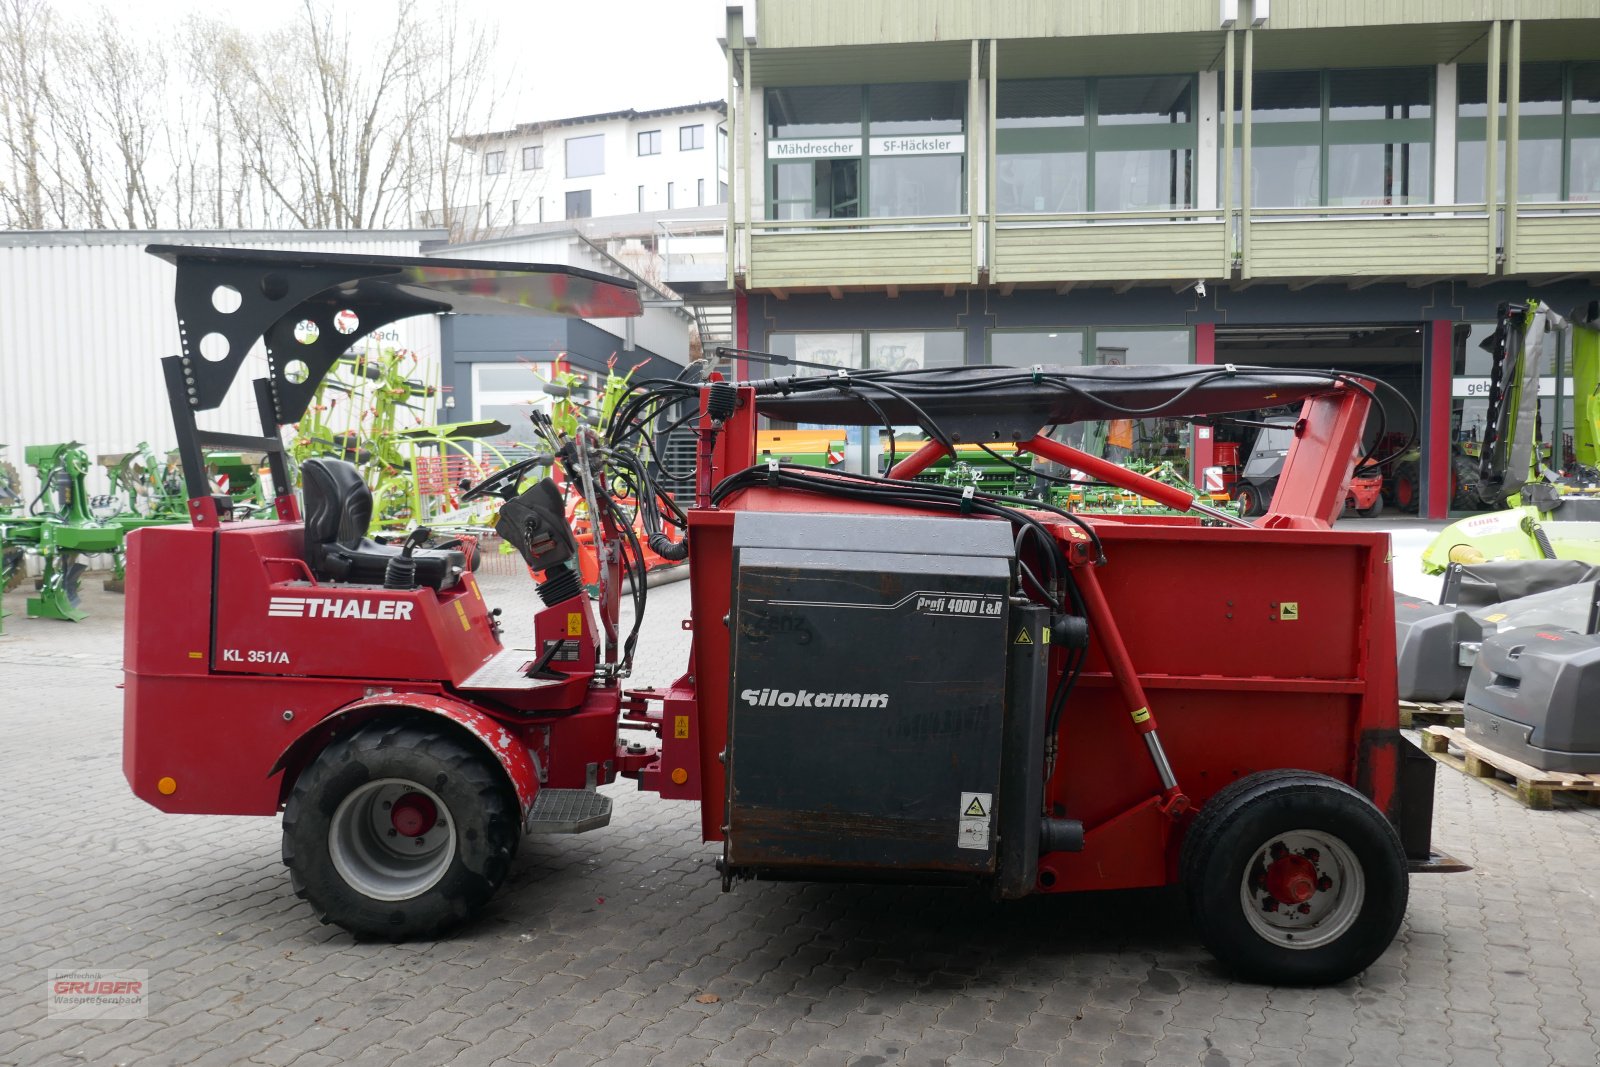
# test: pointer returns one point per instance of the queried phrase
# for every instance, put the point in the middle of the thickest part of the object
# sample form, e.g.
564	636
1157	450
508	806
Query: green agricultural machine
61	528
1549	503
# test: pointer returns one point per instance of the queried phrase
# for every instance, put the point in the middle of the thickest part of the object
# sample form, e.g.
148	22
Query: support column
1435	436
1205	354
741	329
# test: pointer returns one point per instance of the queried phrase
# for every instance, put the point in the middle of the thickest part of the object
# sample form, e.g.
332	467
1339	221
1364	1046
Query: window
916	149
827	349
494	162
1339	138
914	351
1024	348
1558	139
578	204
586	156
891	350
641	198
650	143
700	192
691	138
887	151
1103	144
722	147
722	192
670	203
533	157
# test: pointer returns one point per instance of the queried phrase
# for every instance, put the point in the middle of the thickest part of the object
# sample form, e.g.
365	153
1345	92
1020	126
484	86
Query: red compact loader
889	680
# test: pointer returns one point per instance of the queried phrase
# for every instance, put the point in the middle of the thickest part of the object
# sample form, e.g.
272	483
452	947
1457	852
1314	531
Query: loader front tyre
399	832
1294	878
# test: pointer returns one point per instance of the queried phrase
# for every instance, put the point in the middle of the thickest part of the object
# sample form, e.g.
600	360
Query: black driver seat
338	511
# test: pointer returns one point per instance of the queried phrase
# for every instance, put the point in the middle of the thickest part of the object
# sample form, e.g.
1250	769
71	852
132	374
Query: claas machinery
889	680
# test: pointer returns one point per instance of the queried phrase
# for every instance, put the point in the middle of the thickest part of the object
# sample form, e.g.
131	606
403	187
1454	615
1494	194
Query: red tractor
889	679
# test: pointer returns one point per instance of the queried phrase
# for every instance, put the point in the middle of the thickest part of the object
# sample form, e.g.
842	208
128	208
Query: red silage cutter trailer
889	680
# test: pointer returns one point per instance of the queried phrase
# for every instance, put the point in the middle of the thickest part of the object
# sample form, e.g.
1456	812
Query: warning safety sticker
972	828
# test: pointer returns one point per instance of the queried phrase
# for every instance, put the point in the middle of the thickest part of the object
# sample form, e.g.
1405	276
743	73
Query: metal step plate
568	811
507	670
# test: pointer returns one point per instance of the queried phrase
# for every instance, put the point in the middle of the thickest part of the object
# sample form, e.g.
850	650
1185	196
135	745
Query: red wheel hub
1292	879
413	815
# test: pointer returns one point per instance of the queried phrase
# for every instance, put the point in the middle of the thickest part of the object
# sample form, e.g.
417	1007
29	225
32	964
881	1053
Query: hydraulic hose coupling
667	548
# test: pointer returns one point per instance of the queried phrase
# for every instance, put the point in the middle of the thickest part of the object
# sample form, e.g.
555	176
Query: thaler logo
295	607
805	698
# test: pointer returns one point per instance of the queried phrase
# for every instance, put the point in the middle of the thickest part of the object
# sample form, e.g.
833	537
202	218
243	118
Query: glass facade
883	349
1338	138
881	151
1094	144
1558	136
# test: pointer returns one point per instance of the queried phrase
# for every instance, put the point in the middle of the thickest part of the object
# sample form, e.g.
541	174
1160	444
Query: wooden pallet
1527	785
1420	713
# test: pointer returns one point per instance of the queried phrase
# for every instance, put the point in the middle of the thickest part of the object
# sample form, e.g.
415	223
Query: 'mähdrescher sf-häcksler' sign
919	144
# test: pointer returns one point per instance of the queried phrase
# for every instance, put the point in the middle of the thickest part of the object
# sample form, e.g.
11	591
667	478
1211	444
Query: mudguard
507	748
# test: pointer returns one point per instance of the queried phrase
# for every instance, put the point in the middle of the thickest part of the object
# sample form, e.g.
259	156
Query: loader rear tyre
1294	878
1372	512
399	832
1405	487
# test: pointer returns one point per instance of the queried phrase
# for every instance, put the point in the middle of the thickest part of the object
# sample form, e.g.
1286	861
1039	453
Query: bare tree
25	30
320	123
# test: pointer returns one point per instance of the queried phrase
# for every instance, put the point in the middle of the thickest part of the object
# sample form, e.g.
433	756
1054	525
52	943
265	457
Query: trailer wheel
1294	878
399	832
1249	498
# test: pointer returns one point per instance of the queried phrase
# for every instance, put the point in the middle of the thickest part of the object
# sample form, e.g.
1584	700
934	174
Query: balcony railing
821	253
1165	243
1370	240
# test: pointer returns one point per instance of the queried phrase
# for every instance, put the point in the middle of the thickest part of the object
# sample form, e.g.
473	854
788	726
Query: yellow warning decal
680	726
1044	636
574	624
1496	617
1289	610
1023	638
472	584
975	809
197	655
1141	715
461	611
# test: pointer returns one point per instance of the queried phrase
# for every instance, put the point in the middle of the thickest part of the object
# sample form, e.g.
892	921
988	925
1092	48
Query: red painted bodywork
230	696
1250	648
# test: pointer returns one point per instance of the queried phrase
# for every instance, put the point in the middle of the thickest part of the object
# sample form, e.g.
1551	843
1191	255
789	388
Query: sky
555	58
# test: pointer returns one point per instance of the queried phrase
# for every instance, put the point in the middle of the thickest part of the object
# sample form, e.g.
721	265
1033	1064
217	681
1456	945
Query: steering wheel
503	483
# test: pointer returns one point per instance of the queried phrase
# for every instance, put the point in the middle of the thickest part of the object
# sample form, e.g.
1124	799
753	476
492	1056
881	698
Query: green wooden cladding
787	260
1342	248
1135	252
1555	244
811	23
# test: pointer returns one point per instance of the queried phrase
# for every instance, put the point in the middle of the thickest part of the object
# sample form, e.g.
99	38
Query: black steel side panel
867	693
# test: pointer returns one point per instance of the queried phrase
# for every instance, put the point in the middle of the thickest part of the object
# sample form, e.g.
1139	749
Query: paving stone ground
599	945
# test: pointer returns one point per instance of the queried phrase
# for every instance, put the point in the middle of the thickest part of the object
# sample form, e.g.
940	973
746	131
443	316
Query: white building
617	163
86	315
